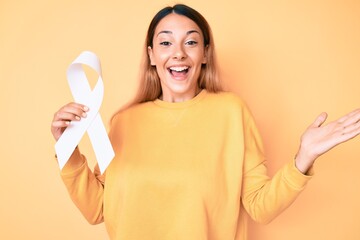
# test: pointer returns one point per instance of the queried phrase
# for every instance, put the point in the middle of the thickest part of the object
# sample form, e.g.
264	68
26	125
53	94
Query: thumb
319	120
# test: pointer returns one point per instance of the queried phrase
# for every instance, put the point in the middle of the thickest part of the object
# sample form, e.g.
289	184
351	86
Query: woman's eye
191	42
165	43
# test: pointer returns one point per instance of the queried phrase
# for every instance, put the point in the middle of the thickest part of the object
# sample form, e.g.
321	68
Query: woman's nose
179	53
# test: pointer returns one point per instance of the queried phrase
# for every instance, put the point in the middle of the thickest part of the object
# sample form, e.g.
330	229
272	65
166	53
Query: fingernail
77	118
84	114
67	122
86	108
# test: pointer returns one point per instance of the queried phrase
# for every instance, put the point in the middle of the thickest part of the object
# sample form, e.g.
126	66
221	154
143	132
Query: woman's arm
85	187
266	198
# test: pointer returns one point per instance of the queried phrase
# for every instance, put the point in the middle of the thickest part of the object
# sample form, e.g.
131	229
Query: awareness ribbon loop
92	124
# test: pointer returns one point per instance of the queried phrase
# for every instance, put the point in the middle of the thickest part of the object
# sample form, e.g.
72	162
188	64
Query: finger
349	115
319	120
351	119
76	107
75	104
60	124
351	129
79	105
62	118
69	112
68	116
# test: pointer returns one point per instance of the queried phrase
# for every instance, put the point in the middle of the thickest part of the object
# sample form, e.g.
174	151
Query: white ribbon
82	93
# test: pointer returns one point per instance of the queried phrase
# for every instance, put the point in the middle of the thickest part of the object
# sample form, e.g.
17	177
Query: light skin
61	120
178	52
319	138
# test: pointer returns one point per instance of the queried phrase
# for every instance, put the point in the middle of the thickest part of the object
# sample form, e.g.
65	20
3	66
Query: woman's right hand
66	114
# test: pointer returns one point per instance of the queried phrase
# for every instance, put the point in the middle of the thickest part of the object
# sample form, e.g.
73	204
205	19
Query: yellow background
289	60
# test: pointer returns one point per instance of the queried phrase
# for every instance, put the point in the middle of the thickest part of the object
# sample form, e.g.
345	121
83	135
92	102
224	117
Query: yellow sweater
186	171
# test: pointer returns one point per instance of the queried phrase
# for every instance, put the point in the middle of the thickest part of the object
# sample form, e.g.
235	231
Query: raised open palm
319	138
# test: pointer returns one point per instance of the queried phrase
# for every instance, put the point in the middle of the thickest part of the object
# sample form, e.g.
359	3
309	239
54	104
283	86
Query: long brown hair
149	86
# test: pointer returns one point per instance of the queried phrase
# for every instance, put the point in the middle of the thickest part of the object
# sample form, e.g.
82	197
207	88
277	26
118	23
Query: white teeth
178	69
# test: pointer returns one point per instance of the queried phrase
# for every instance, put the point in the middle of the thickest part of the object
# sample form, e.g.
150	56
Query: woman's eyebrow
192	31
165	31
170	32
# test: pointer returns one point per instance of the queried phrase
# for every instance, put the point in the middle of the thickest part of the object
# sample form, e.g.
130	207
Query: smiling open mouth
178	71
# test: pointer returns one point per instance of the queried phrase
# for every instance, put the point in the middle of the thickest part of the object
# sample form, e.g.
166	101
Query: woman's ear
150	53
205	54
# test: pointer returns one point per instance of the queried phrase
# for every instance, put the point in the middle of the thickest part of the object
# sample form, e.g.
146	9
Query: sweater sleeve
262	197
85	188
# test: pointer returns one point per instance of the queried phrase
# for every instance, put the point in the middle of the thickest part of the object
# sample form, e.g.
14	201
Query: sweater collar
184	104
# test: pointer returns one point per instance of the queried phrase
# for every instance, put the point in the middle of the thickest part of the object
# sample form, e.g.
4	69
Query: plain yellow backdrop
289	60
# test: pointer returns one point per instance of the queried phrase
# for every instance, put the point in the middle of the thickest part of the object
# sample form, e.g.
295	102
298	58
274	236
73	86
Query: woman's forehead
173	23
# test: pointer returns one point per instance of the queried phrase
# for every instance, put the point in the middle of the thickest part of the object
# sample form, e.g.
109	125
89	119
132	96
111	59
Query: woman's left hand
318	139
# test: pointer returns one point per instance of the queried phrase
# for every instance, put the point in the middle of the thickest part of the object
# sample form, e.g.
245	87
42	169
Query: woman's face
178	52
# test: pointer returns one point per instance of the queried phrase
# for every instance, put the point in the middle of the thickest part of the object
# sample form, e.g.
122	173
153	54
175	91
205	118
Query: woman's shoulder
227	98
229	103
129	110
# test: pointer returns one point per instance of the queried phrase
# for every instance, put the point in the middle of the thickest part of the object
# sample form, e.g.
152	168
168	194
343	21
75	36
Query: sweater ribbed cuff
72	167
294	177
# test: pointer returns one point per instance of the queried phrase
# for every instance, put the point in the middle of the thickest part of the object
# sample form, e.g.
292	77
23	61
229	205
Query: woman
189	160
